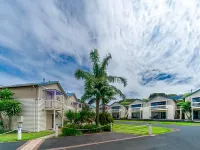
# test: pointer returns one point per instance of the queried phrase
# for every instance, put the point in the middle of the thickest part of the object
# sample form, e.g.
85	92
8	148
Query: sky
154	44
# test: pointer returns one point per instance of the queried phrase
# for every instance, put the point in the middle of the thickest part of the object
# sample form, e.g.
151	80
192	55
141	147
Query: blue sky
154	44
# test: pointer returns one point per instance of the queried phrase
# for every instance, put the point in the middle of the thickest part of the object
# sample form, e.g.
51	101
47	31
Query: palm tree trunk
103	108
97	112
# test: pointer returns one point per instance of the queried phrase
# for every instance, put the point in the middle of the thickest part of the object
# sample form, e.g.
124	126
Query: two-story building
43	104
194	98
117	110
135	110
158	107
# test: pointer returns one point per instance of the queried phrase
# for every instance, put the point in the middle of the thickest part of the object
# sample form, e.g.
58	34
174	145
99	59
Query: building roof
192	93
36	84
70	94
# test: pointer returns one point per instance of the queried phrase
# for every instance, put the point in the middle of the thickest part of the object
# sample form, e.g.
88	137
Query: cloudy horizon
154	44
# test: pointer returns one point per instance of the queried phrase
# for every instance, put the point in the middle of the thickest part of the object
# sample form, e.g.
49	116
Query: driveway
187	138
11	145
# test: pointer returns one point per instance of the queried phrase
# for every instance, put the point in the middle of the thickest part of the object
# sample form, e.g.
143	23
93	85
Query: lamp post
19	131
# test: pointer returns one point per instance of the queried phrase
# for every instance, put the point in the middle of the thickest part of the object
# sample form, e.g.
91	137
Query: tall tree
97	81
8	106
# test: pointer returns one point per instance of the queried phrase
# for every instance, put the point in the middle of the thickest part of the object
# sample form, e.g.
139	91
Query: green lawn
143	130
25	136
163	122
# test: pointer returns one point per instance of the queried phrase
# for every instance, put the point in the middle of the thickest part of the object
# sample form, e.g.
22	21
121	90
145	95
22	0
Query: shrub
70	132
105	118
92	128
106	128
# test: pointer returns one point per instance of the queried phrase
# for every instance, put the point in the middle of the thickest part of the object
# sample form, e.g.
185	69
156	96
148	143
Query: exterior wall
69	104
171	106
146	113
189	98
130	109
123	110
29	115
24	92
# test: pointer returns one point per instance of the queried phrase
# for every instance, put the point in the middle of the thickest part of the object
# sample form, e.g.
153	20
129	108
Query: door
49	121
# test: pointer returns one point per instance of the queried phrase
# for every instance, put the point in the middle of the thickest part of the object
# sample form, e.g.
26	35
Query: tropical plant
97	81
8	106
186	108
105	118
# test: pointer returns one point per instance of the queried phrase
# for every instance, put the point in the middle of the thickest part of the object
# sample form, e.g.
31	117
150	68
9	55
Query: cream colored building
43	105
158	107
117	110
194	98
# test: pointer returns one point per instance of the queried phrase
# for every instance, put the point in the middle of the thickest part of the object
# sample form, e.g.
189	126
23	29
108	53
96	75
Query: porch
54	107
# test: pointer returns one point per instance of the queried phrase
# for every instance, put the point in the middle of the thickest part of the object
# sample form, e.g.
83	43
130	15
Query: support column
192	115
54	119
180	113
62	117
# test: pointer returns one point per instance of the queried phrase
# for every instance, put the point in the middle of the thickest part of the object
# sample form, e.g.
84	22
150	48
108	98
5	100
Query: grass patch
25	136
162	122
143	130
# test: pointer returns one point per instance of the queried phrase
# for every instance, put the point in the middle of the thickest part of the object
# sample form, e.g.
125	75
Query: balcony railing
136	109
195	104
53	104
115	110
158	107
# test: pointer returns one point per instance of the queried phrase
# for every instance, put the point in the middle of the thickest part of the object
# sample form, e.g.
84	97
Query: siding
28	113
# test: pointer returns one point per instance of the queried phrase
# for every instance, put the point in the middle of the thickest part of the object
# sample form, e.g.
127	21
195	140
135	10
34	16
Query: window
116	107
136	105
158	103
196	99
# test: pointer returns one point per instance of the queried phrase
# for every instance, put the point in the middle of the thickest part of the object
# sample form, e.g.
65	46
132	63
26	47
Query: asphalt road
187	138
11	145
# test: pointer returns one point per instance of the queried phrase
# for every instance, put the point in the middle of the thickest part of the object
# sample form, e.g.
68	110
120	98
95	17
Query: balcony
53	104
115	110
196	104
135	109
158	107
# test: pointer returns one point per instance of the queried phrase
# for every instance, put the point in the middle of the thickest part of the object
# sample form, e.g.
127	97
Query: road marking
96	143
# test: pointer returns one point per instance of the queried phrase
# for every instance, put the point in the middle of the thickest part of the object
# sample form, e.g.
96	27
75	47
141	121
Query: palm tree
186	108
97	81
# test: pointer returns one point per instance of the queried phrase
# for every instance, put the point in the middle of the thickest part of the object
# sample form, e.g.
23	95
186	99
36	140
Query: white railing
195	104
115	110
136	109
158	107
53	104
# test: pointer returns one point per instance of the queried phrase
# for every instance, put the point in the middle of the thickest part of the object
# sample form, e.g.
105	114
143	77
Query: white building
117	110
43	104
159	107
194	98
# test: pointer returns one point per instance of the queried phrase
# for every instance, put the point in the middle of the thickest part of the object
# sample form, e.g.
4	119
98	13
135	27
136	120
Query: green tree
186	108
97	81
8	106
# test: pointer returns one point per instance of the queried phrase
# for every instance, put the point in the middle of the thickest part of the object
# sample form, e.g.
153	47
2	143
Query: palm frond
118	92
94	56
80	74
115	79
92	101
104	63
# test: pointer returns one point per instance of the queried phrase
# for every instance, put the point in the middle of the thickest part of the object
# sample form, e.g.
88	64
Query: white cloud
141	36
